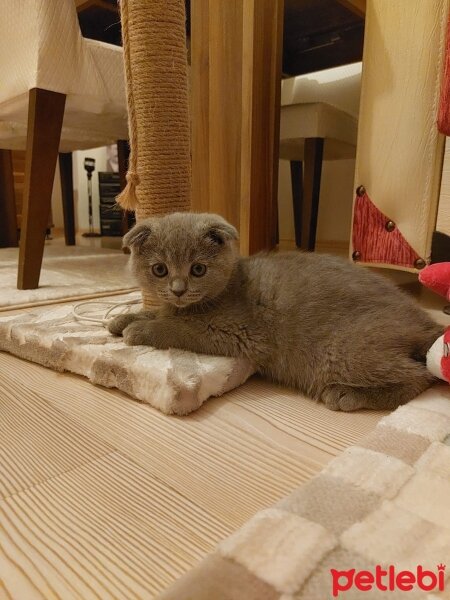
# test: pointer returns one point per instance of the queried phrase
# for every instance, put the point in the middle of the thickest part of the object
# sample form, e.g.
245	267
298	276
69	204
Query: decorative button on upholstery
390	226
419	263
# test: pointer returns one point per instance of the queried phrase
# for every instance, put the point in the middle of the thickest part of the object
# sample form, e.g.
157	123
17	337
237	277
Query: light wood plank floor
103	497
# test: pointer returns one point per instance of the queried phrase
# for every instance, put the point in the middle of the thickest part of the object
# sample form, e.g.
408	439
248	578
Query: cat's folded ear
220	231
136	237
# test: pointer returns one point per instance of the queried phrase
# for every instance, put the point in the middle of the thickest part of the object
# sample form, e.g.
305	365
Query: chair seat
317	120
59	92
92	119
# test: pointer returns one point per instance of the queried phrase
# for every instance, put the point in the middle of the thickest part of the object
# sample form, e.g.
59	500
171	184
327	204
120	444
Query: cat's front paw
117	325
139	333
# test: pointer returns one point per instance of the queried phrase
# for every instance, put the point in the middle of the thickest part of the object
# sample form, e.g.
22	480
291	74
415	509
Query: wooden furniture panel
236	71
260	137
216	66
399	151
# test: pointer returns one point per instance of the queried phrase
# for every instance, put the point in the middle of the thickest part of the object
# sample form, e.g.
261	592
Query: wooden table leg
66	174
45	116
236	79
200	113
8	217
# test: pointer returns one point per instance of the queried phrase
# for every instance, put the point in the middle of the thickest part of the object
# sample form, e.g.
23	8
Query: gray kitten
335	331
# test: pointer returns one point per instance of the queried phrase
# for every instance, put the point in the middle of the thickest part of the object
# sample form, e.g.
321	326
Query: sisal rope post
155	57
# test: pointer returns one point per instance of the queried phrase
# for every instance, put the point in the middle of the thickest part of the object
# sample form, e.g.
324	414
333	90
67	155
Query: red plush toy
437	278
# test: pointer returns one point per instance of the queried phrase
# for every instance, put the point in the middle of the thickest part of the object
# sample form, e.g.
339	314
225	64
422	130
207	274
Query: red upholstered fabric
444	104
373	242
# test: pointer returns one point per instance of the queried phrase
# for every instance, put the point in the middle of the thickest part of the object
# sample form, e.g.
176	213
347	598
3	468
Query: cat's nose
178	287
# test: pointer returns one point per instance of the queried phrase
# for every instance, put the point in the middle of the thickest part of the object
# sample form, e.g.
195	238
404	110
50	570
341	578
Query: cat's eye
198	270
159	270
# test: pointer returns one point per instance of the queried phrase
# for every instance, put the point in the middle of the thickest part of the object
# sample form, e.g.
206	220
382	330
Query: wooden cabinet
400	151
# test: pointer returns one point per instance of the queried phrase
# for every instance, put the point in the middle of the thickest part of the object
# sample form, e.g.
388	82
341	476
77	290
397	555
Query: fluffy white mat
173	381
67	272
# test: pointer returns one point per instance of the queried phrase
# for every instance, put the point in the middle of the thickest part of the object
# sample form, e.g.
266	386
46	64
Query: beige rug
67	272
379	509
173	381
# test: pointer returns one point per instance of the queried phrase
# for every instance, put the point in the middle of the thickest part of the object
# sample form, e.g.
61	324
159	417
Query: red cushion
437	278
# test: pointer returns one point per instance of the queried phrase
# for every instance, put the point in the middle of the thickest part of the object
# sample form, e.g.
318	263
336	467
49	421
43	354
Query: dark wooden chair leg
311	191
8	214
297	198
66	173
45	117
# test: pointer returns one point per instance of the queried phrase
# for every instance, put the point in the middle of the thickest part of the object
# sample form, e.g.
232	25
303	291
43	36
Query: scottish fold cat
336	331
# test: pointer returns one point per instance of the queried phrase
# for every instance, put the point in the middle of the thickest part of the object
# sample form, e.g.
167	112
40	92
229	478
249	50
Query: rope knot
133	178
127	198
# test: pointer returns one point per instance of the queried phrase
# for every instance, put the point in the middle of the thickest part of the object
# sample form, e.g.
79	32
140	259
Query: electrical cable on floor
104	315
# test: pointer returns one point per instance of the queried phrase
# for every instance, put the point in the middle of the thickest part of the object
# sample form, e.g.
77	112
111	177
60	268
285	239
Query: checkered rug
383	502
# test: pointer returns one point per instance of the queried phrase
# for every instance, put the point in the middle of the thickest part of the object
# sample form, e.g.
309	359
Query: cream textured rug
67	272
384	502
171	380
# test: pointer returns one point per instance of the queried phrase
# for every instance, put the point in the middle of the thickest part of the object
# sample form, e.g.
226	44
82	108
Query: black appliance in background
111	215
89	167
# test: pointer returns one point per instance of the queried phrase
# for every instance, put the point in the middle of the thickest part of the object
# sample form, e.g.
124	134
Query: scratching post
154	44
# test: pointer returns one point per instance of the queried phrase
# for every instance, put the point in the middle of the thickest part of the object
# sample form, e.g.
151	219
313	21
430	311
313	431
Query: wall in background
80	190
57	212
80	187
335	205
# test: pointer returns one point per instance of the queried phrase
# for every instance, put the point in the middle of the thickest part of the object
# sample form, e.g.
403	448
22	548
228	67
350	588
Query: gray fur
336	331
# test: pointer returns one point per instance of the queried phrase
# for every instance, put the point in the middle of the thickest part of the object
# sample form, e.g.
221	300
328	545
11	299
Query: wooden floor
103	497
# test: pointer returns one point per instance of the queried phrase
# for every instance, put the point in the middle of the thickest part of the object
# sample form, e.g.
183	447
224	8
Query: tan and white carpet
67	272
383	505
